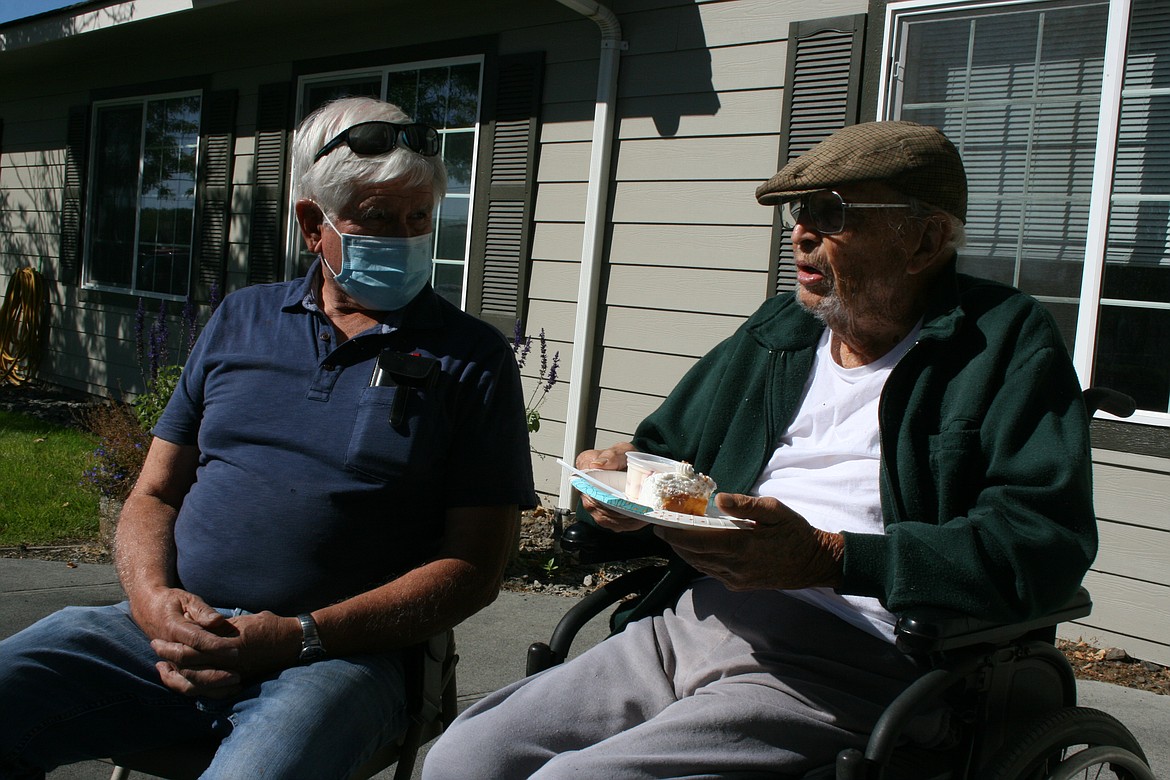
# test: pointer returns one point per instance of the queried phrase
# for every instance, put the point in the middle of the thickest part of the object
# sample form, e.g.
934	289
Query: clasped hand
204	653
774	547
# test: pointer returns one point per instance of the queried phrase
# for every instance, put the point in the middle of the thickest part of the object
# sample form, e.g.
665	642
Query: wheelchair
1010	692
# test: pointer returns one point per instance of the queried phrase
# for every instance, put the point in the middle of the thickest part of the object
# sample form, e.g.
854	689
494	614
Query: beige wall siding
698	115
729	247
83	345
91	344
1130	580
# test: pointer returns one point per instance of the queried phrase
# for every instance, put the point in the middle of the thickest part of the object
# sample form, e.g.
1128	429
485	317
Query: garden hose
20	326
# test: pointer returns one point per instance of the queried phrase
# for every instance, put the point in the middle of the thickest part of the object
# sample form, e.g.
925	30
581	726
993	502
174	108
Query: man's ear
311	221
934	245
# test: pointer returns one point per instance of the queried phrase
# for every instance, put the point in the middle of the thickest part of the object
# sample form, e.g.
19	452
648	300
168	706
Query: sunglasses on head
824	211
371	138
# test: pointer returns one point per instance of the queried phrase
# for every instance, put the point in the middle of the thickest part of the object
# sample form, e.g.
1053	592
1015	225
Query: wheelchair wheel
1075	742
1102	762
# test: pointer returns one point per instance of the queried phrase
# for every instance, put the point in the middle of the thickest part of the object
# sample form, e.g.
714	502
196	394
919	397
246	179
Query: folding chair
431	705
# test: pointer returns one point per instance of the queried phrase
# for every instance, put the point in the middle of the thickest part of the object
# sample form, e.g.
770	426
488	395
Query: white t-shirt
825	467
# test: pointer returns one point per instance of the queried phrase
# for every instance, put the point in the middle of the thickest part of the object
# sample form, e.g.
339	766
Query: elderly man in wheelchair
893	436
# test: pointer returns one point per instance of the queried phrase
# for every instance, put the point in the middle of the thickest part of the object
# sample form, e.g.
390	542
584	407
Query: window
1069	169
1133	319
445	95
142	198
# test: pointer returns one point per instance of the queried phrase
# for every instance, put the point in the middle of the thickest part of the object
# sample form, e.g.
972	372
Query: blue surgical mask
382	273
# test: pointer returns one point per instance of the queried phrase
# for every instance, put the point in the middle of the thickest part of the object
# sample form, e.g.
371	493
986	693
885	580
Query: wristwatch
311	647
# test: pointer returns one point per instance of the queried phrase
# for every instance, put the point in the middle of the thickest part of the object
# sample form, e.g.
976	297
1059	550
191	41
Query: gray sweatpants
724	685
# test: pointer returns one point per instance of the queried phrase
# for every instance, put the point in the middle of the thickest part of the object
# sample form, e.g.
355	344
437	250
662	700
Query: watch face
312	653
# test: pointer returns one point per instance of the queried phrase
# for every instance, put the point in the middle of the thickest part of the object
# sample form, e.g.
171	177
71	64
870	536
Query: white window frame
383	73
1116	38
133	289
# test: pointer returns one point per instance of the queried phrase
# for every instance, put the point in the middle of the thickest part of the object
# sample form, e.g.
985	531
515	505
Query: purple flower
190	323
139	330
159	336
543	353
552	372
525	348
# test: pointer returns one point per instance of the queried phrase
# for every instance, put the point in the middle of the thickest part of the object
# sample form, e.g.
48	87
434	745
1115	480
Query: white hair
958	237
331	181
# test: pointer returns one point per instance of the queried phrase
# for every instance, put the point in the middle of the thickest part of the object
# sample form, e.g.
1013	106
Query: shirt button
325	335
328	367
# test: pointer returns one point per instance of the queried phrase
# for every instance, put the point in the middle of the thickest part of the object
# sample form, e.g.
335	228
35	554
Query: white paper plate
607	487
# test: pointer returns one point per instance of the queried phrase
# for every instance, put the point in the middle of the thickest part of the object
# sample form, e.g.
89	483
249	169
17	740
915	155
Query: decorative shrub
122	444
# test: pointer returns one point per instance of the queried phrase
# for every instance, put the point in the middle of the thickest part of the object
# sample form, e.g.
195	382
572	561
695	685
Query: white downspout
597	198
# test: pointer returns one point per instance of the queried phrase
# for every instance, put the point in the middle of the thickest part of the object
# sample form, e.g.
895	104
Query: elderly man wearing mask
893	434
338	476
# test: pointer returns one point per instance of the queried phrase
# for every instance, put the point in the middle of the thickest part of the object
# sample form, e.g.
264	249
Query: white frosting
684	480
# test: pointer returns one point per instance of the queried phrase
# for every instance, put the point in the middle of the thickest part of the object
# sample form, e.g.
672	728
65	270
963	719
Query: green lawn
42	500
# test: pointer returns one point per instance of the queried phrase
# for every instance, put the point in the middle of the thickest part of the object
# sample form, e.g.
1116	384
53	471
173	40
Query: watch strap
312	648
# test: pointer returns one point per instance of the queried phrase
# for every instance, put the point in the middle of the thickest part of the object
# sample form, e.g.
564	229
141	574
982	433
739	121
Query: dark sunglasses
824	211
371	138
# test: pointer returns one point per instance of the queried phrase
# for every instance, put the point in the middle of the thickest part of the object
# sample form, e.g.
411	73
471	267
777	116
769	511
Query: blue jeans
81	684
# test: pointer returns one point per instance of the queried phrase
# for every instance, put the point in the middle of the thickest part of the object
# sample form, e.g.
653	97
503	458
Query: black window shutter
73	196
822	91
502	237
266	247
215	191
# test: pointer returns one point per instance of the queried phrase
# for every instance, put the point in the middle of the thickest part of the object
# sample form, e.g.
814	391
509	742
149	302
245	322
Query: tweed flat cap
917	160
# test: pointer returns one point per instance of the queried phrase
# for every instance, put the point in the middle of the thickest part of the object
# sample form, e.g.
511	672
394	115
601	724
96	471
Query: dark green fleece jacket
986	481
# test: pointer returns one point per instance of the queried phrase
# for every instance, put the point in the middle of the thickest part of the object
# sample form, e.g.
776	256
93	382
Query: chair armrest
928	630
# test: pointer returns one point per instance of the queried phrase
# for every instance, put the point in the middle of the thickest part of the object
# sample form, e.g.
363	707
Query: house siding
1130	579
686	243
687	249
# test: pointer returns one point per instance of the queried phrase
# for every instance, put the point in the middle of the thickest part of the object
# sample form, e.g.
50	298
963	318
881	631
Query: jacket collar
782	325
944	309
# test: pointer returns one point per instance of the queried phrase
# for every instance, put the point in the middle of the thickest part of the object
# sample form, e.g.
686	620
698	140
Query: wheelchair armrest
1105	399
541	656
928	630
592	544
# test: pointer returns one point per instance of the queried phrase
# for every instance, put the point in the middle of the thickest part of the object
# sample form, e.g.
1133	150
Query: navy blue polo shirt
305	492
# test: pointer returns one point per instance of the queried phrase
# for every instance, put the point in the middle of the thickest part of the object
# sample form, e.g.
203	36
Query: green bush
149	406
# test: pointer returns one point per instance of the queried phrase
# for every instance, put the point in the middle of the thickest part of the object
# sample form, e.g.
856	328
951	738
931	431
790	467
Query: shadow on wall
667	73
30	226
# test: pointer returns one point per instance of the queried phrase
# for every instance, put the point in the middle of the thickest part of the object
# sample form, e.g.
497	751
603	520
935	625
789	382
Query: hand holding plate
774	548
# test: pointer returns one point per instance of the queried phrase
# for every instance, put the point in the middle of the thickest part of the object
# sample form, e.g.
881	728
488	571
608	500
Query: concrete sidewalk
492	647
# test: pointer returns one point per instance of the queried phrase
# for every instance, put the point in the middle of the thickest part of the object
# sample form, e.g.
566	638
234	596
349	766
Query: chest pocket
411	448
956	460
